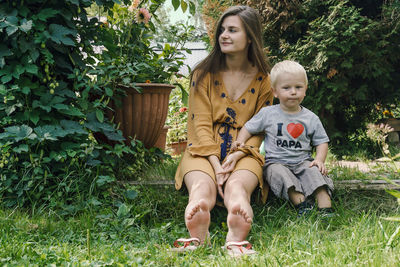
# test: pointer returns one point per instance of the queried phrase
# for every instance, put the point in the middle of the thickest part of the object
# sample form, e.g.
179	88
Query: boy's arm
241	139
320	157
243	135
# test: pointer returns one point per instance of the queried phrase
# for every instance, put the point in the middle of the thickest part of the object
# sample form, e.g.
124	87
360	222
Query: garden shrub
350	51
48	116
46	119
52	107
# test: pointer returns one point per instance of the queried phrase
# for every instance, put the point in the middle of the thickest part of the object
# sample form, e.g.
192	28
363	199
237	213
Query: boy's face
291	90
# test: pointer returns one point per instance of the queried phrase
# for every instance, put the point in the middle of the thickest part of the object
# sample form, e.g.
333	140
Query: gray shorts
281	177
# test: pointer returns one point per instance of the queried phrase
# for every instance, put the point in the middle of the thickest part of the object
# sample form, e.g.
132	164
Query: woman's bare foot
239	224
197	220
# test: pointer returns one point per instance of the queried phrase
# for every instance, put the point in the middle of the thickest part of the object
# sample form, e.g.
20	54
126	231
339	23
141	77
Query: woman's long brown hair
215	61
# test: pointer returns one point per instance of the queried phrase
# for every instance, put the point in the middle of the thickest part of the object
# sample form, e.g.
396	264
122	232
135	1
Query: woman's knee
242	181
200	183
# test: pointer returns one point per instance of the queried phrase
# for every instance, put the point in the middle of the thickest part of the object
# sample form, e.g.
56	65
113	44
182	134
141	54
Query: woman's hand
221	177
230	163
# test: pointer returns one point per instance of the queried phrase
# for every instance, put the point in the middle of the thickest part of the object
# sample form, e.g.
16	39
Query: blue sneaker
326	212
304	209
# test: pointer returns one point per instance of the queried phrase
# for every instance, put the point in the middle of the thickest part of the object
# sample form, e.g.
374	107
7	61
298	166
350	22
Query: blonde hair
215	61
287	66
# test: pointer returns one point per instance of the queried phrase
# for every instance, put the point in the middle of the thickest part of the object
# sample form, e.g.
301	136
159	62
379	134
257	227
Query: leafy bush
351	67
52	107
46	116
350	51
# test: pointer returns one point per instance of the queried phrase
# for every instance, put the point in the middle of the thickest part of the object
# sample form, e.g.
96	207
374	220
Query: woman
227	88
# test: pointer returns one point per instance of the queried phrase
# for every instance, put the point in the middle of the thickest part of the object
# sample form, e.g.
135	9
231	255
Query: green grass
144	234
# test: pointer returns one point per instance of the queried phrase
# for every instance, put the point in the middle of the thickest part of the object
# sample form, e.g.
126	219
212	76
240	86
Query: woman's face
233	38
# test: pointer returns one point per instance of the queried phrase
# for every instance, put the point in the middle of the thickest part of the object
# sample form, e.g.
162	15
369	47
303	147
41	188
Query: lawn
141	231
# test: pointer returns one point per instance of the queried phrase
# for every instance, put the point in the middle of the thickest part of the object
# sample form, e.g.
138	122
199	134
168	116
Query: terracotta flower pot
162	138
142	115
178	148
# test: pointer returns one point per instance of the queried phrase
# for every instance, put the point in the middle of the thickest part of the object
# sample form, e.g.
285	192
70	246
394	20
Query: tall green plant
46	116
51	107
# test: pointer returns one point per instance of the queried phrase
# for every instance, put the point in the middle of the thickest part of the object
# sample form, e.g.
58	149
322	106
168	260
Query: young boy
291	131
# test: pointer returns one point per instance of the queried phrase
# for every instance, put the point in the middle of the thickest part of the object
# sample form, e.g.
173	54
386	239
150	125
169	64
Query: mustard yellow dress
214	122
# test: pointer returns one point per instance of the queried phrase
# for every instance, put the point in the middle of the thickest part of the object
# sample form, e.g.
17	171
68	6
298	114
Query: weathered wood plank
366	184
345	184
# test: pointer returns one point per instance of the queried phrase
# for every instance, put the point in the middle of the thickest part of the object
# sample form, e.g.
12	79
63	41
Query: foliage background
349	49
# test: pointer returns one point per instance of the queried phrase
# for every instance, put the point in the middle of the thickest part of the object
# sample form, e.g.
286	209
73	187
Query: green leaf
93	201
4	51
60	106
104	179
34	53
34	117
192	8
99	115
26	25
46	132
394	193
184	6
114	136
11	29
184	94
47	13
6	78
19	69
75	2
131	194
10	109
109	91
20	132
73	111
12	25
33	69
3	90
72	127
123	210
59	34
175	4
36	104
26	90
21	148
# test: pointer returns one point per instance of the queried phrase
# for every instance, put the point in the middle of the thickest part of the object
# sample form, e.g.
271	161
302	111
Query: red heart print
295	129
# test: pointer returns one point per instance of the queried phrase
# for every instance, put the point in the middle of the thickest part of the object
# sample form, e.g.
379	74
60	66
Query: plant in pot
135	73
176	123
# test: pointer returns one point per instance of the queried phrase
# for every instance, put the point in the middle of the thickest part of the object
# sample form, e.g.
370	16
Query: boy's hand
235	145
320	165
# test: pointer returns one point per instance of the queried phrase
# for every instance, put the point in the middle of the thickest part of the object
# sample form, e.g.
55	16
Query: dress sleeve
264	99
201	141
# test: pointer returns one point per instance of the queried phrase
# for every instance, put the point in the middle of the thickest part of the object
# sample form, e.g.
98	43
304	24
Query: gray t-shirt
289	138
